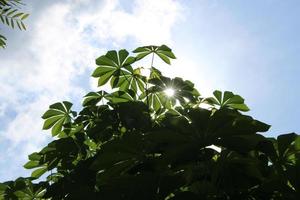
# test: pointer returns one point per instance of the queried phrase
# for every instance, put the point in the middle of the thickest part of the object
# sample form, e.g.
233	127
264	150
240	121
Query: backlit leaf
38	172
57	115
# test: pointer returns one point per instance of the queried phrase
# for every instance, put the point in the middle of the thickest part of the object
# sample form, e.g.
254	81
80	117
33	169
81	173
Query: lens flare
169	92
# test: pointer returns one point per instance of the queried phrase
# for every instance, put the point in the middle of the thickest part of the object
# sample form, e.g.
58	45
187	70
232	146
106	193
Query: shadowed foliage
139	142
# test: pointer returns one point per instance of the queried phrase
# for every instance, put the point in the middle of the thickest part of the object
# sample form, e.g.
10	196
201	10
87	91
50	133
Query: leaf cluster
11	16
137	142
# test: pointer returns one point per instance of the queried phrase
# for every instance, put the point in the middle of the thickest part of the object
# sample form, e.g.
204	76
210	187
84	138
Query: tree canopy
157	138
11	16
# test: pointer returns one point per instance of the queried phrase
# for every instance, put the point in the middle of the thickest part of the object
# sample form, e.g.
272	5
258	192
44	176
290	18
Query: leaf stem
147	92
152	60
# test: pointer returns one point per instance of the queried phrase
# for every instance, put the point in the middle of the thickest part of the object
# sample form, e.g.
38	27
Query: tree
142	141
11	16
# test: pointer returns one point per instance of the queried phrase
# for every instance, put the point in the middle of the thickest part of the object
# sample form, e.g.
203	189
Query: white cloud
64	42
150	22
2	109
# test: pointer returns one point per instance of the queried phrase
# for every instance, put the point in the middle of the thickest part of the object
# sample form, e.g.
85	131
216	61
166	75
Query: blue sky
248	47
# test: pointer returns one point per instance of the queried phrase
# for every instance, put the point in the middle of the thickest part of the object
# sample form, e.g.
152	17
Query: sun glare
169	92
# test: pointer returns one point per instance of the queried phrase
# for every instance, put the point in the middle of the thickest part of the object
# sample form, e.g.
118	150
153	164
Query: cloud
56	61
148	22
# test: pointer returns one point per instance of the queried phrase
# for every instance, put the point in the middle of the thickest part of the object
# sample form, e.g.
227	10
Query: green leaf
92	98
57	115
242	107
155	73
23	25
11	12
184	92
119	97
34	156
7	21
24	16
105	78
218	96
2	41
2	19
129	81
235	99
17	15
227	95
143	49
105	61
284	142
142	55
114	65
164	58
57	127
123	54
12	24
241	143
297	142
228	99
164	52
19	25
5	10
38	172
167	53
31	164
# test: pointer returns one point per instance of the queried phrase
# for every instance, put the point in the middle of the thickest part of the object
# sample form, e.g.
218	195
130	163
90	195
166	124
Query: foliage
137	142
11	16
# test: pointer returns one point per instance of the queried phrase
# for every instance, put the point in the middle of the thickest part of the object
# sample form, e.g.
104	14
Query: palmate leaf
113	64
92	98
89	114
163	51
155	73
228	99
22	188
155	98
184	92
121	96
158	100
58	152
288	148
130	81
57	115
284	142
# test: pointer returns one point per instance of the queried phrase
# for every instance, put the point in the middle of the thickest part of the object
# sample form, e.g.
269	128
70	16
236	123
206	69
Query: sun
169	92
